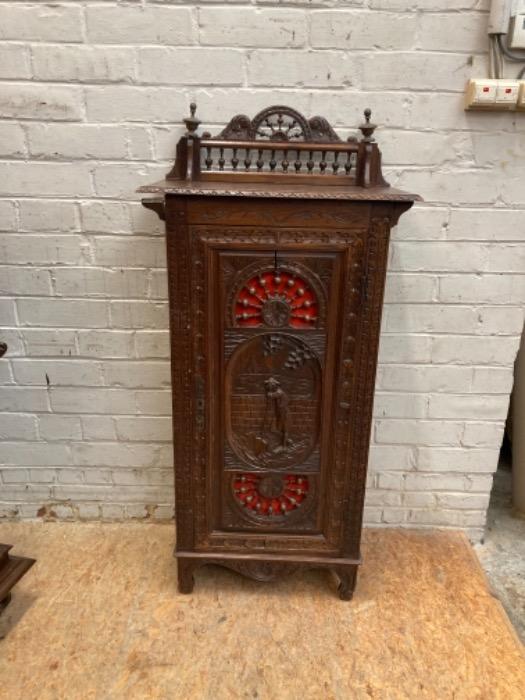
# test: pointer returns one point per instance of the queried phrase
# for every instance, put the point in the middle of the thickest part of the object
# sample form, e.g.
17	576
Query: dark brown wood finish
277	240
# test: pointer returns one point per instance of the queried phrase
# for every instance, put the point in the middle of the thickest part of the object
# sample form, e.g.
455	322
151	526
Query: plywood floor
99	616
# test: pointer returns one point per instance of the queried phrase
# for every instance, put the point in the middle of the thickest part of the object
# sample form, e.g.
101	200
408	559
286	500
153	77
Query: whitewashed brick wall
91	97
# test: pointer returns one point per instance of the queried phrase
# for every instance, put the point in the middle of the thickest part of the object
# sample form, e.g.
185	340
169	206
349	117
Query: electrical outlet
507	92
481	93
490	94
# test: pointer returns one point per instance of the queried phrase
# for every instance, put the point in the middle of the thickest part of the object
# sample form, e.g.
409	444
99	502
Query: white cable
495	62
498	59
514	57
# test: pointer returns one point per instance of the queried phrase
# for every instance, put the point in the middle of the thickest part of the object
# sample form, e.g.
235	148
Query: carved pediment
279	124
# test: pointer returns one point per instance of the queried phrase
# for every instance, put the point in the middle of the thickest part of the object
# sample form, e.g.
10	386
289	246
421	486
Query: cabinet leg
347	579
185	576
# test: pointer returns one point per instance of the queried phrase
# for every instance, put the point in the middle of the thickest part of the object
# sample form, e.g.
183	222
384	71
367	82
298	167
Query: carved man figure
276	409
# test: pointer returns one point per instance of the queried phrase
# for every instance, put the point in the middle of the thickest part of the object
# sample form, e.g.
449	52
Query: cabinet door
275	395
281	328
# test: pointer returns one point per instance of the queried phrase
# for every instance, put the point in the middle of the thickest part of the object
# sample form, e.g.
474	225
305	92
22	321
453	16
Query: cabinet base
265	569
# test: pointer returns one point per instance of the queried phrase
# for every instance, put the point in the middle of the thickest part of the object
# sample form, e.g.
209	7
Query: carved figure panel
273	386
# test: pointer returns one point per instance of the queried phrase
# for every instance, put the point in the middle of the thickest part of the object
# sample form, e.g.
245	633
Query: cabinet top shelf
277	190
278	153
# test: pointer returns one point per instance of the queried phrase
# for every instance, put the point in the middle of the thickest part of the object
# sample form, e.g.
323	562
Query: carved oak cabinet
277	240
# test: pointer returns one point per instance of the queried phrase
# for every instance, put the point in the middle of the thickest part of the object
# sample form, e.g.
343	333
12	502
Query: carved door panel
276	324
274	331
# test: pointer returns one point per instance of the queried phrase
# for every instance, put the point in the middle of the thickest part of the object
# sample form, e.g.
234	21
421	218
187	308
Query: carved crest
279	123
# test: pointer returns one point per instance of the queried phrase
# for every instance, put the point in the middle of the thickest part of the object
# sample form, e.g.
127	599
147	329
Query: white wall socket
480	93
489	94
507	92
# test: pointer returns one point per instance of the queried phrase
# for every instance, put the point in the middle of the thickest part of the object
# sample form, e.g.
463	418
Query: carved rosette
270	497
276	298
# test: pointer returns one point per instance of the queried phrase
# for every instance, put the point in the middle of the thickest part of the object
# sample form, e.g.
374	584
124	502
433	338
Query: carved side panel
179	285
366	365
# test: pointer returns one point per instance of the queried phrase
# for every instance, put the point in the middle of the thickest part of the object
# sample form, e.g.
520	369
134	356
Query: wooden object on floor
11	570
277	240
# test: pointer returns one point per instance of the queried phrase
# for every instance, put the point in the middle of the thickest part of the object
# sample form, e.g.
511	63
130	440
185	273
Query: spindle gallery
277	237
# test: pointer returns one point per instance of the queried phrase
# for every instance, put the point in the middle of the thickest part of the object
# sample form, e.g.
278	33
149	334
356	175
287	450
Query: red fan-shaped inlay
270	495
276	298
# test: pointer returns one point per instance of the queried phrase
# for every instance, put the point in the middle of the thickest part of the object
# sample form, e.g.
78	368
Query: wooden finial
192	122
367	129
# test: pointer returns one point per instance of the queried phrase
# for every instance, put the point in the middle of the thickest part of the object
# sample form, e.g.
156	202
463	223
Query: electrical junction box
490	94
516	36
